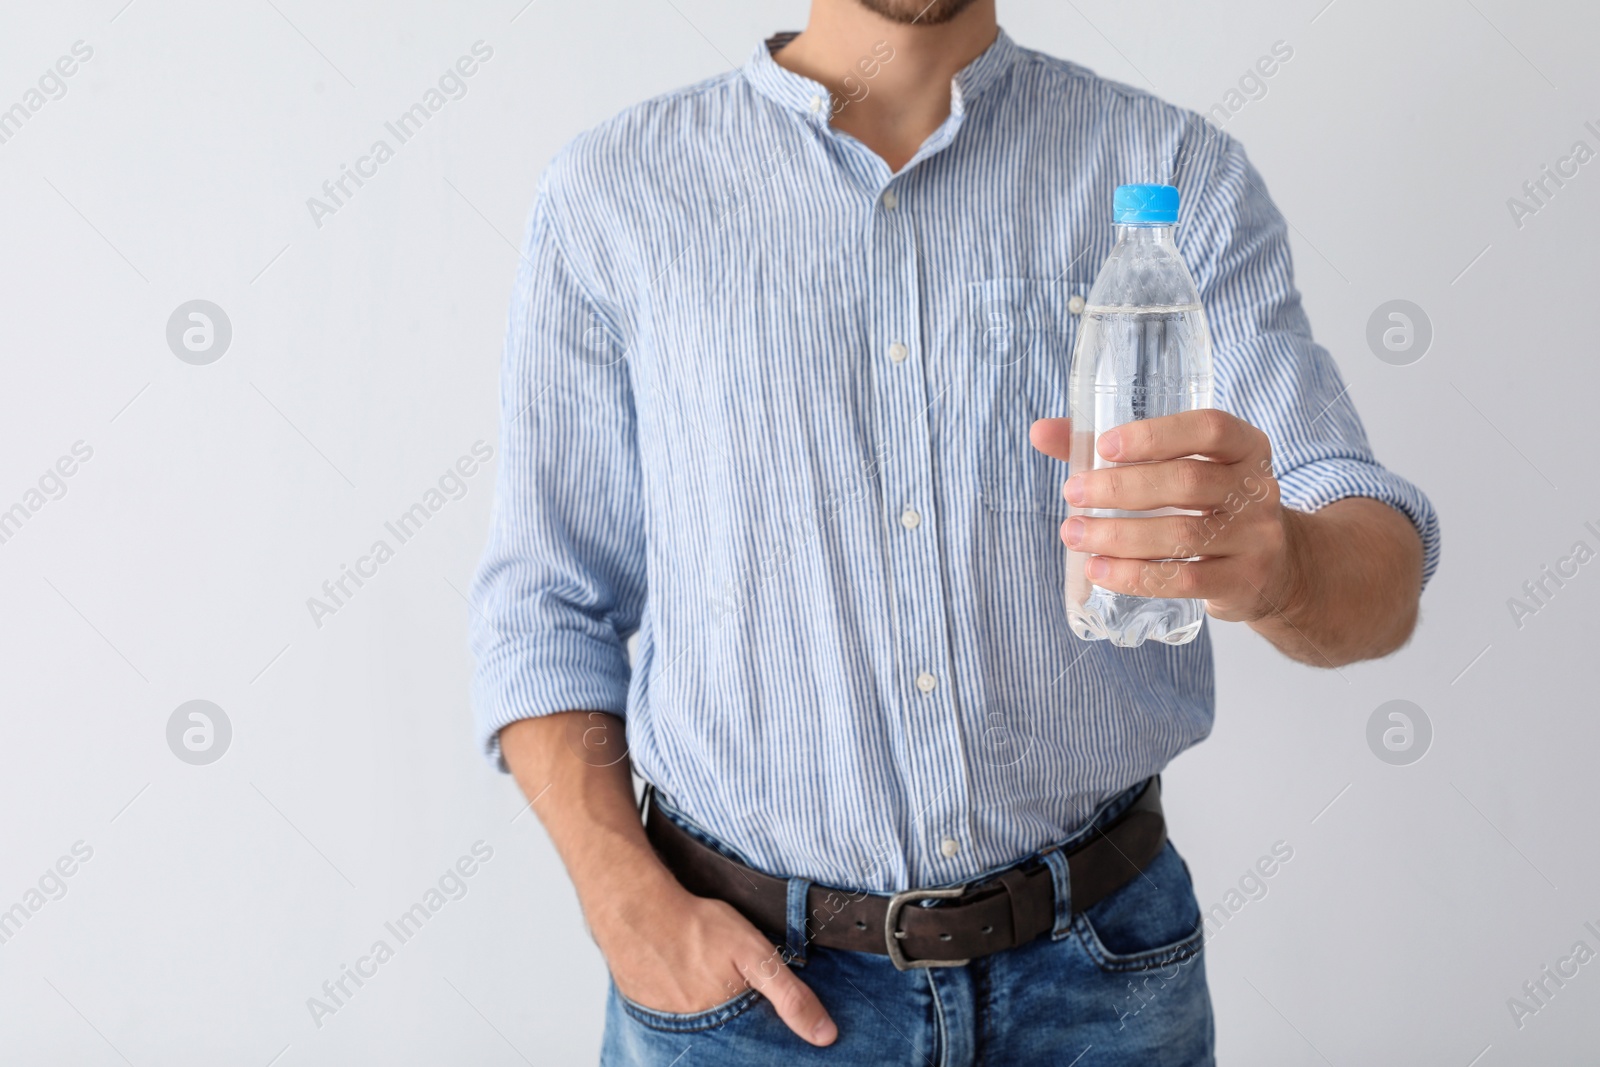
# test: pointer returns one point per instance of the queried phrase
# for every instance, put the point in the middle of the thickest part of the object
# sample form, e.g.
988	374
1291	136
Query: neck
890	80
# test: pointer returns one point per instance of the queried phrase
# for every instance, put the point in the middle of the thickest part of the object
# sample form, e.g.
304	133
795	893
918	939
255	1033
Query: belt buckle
891	936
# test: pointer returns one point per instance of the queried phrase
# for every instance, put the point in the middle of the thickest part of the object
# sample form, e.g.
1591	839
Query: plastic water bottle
1143	351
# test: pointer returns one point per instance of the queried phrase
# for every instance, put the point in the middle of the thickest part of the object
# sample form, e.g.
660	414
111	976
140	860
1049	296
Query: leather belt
1004	911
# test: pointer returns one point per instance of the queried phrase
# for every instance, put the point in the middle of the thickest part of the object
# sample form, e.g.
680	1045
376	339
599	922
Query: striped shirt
753	411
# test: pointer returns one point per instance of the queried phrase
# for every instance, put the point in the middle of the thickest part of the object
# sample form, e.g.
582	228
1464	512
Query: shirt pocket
1023	333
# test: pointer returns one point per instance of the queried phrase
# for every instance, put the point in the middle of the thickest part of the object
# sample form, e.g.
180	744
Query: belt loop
795	922
1061	882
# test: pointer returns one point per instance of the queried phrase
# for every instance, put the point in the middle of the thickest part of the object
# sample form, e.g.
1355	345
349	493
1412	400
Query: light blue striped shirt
756	409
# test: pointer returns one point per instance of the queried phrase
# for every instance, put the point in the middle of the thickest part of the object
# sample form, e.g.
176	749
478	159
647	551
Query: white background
364	363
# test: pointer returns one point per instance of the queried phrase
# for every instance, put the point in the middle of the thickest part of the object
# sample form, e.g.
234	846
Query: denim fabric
1122	983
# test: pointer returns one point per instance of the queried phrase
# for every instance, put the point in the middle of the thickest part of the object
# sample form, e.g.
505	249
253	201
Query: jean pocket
687	1022
1152	922
1024	330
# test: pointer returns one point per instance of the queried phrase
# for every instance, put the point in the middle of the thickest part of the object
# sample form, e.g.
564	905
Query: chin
917	12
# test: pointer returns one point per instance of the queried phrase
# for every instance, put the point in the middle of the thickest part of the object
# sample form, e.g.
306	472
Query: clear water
1133	363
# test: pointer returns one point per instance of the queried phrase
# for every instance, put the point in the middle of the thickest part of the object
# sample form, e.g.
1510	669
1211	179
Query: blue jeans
1121	983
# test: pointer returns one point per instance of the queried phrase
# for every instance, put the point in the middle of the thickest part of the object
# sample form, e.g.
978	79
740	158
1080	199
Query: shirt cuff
1315	485
566	672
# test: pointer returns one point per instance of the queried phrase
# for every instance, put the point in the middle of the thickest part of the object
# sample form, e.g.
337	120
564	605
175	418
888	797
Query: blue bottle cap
1145	205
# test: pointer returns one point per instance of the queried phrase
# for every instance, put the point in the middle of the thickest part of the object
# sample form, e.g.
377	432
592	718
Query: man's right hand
668	949
672	951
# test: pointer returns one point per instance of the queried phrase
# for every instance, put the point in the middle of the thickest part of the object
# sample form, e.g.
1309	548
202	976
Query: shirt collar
984	71
810	98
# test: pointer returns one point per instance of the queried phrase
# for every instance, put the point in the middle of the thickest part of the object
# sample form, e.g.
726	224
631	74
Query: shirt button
926	682
816	103
910	519
898	352
949	847
890	201
1075	305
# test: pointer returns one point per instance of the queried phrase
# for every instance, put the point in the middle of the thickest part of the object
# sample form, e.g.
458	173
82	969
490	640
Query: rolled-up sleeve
1268	370
561	584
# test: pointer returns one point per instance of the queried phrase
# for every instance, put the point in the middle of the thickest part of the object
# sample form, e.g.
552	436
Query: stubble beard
917	12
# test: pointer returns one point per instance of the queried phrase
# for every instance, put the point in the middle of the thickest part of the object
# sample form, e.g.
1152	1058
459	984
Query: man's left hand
1204	461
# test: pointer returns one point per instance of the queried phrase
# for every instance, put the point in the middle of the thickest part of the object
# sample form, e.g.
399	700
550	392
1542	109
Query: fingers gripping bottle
1143	351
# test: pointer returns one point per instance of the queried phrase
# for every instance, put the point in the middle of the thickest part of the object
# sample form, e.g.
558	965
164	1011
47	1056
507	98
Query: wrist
1288	595
630	896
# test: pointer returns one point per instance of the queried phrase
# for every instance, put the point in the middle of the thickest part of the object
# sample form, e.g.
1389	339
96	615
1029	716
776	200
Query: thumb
793	1000
1053	437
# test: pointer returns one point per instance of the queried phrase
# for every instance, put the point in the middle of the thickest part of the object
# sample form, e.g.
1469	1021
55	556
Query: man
776	349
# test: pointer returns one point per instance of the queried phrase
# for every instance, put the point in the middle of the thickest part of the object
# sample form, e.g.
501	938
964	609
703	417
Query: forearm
1352	583
571	766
